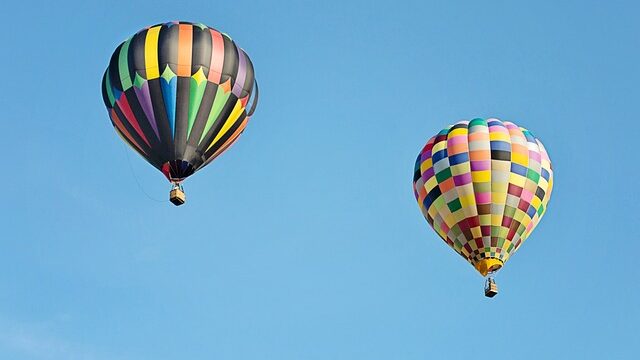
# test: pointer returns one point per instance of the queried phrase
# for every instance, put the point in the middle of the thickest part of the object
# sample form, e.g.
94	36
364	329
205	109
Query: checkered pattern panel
483	185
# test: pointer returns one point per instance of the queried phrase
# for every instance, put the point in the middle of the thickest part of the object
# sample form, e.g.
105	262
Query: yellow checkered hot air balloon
483	185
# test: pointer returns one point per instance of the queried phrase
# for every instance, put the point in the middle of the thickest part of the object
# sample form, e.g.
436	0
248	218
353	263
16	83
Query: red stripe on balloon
123	103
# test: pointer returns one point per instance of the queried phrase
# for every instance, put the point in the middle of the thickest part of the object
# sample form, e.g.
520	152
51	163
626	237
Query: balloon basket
490	288
177	196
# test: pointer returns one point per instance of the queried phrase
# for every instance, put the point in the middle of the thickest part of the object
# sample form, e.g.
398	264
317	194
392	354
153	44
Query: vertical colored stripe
217	57
242	74
144	98
151	53
107	85
123	65
185	42
198	84
169	89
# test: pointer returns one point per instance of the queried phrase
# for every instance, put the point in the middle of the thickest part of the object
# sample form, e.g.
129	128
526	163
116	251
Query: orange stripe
480	155
185	43
217	57
458	148
123	130
478	136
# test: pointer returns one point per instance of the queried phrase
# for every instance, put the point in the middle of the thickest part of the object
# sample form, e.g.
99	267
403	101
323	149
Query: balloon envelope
178	94
483	185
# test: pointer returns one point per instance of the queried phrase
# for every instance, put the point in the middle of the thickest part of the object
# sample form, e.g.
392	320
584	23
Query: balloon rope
136	178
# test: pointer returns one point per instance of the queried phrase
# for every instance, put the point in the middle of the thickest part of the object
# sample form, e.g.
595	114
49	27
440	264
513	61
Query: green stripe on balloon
197	87
123	65
107	85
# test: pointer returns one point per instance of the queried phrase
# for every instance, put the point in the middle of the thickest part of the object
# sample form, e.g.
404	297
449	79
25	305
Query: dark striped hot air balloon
179	94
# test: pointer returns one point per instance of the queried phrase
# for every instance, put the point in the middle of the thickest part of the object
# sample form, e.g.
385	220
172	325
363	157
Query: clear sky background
304	242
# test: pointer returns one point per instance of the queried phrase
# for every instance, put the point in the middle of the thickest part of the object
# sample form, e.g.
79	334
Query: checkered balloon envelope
483	185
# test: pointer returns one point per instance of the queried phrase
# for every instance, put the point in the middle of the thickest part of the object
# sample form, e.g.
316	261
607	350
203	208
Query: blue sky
304	241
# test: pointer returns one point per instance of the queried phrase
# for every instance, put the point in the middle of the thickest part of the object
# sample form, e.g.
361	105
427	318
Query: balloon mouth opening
177	170
485	266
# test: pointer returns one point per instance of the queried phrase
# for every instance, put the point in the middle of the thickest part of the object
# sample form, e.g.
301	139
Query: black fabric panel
166	148
253	99
458	126
105	97
136	55
230	65
114	74
168	48
500	155
182	115
250	77
201	50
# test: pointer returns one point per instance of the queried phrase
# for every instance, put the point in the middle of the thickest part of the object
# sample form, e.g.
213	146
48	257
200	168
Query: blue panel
169	90
439	155
458	158
500	145
518	169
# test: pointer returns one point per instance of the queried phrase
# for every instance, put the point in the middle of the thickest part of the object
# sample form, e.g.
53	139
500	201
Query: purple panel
242	74
145	102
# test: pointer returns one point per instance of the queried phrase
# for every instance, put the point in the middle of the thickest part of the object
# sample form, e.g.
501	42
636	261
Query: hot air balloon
483	185
179	94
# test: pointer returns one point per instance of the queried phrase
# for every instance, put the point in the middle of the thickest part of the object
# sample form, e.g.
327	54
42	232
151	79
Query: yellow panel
151	53
484	266
426	165
498	193
439	146
467	200
450	220
535	202
460	169
459	215
457	132
496	135
499	188
519	215
431	183
520	159
433	211
481	176
516	179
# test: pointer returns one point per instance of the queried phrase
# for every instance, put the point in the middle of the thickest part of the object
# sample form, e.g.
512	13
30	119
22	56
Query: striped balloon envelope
179	94
483	185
